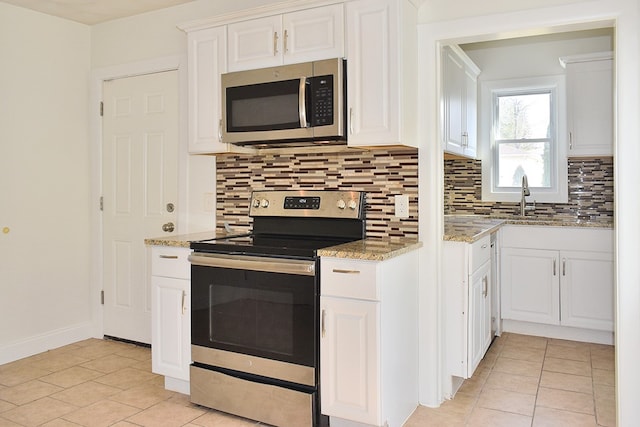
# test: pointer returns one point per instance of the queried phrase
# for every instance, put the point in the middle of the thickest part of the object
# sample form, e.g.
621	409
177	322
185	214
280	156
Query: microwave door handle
302	102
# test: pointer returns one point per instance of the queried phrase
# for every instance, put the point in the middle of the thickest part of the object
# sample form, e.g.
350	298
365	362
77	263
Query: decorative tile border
380	173
590	191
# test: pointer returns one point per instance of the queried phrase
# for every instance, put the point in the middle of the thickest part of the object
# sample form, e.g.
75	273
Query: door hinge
101	109
102	297
101	203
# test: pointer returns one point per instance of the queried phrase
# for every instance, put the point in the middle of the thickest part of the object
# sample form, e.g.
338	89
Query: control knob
256	203
265	203
341	204
353	205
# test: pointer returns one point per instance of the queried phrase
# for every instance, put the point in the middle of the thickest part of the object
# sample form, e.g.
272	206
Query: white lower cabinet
368	340
479	315
558	276
171	316
468	291
350	375
531	284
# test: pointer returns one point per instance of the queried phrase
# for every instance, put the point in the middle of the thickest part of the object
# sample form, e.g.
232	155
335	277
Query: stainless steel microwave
289	105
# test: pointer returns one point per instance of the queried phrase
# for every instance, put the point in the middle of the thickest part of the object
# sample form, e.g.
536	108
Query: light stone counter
469	228
368	249
371	249
184	240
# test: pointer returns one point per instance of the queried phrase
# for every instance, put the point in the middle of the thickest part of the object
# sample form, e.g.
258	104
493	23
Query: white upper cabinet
381	72
207	60
459	92
590	104
301	36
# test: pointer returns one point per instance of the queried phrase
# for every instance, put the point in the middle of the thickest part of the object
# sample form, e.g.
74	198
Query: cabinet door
587	290
313	34
373	91
479	316
171	327
459	96
349	349
470	106
453	93
530	285
207	61
255	43
590	108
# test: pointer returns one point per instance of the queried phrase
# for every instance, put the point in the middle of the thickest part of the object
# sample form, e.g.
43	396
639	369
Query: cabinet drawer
480	252
348	278
170	262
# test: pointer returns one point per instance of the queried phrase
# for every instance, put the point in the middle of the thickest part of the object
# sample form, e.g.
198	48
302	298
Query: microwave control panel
322	100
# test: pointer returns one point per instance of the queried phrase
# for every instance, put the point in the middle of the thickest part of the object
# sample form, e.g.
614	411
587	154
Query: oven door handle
254	263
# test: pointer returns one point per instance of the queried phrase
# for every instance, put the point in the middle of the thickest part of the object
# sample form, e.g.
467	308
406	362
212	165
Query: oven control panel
308	203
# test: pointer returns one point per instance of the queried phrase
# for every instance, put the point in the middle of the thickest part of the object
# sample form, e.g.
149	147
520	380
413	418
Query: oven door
257	306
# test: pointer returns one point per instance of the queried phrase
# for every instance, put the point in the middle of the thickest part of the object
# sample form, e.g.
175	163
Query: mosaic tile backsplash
381	173
590	191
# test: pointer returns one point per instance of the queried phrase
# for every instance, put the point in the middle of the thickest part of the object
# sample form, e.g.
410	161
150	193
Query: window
520	128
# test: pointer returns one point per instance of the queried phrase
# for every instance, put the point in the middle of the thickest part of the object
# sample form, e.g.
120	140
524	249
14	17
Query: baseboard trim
558	332
46	341
175	384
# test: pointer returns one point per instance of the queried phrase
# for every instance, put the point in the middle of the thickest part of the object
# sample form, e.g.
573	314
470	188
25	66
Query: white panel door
207	53
313	34
255	43
453	92
171	350
348	355
140	148
530	285
479	316
587	290
373	95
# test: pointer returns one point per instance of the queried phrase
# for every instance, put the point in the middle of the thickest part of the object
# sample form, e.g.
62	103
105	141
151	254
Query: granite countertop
368	249
184	240
371	249
469	228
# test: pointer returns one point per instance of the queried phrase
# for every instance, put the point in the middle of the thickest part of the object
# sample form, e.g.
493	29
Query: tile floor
532	381
528	381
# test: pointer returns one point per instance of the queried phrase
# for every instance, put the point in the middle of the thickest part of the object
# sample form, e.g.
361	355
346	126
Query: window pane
520	158
524	116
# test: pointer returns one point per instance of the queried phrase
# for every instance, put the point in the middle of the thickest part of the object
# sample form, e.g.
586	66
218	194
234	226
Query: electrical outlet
402	206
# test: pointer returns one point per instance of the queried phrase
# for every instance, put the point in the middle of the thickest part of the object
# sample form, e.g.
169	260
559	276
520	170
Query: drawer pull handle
324	331
338	270
184	300
169	256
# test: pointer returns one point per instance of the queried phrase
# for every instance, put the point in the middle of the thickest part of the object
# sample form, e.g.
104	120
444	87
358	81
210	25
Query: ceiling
94	11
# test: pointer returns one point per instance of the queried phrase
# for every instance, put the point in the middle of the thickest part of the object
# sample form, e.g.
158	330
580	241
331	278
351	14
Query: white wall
534	56
44	191
155	34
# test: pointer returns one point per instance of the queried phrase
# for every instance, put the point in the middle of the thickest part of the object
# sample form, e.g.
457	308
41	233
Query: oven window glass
258	313
262	107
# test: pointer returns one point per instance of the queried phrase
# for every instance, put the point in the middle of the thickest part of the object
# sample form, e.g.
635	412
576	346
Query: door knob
168	227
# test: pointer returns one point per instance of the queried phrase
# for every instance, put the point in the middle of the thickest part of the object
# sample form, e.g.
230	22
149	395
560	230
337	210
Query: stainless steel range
255	306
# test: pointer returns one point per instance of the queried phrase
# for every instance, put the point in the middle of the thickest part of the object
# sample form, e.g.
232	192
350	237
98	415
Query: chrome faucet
523	201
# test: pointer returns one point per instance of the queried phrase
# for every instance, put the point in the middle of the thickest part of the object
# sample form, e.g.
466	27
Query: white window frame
558	192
